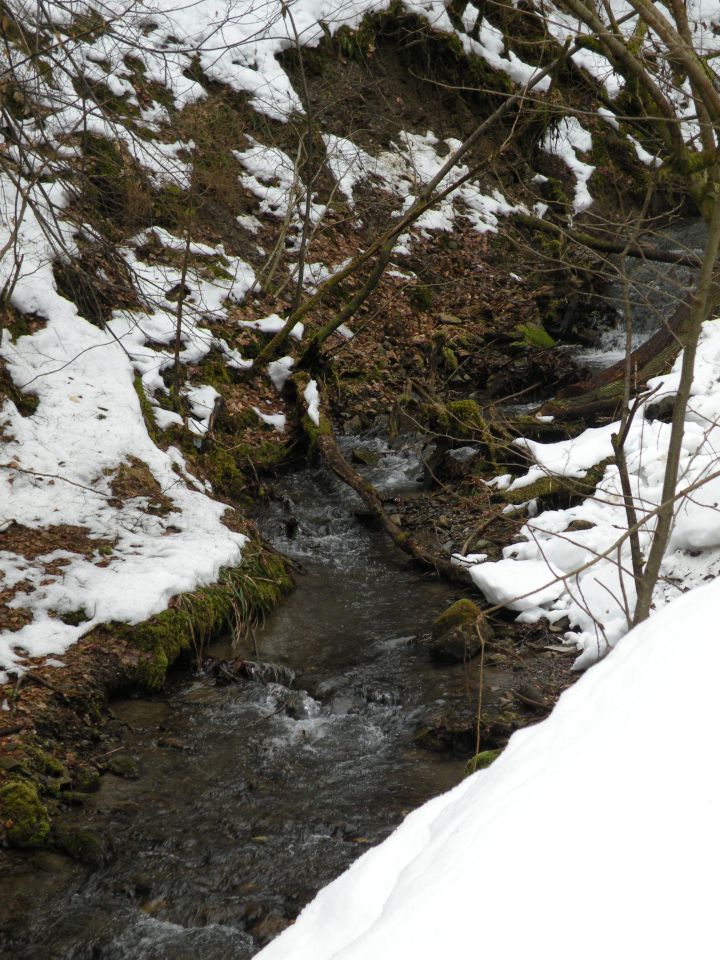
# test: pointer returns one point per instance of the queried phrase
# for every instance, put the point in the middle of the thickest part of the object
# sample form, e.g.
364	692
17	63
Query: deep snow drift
595	834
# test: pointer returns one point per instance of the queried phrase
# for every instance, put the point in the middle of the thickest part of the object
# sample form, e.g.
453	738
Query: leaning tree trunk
601	397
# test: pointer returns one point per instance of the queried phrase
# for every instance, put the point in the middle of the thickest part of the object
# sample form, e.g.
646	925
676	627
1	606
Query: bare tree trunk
665	514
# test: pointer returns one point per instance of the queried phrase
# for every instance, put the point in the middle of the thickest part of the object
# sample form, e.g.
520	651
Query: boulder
459	632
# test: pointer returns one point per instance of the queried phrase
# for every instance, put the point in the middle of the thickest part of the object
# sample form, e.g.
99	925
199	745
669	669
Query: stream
654	291
253	795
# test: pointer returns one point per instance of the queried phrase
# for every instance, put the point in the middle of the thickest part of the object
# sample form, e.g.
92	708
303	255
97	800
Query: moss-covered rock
459	632
481	760
365	456
81	844
43	762
23	815
533	335
124	766
86	779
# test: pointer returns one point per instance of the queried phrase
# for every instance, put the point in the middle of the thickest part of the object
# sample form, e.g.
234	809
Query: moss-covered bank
53	756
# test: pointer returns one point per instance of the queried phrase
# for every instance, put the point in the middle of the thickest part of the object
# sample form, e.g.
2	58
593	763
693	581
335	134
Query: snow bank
59	465
595	834
586	562
563	140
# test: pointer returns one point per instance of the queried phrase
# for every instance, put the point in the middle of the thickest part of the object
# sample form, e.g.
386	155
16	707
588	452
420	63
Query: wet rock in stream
459	633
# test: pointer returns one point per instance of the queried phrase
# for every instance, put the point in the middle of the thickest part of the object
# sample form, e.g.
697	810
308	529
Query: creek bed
253	795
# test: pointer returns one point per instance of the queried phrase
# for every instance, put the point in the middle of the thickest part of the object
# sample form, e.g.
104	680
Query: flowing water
255	794
654	291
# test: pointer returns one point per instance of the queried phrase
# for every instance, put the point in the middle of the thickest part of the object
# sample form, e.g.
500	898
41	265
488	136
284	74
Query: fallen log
639	251
323	441
600	398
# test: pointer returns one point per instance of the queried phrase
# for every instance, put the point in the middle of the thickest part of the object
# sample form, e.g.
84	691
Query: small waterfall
654	291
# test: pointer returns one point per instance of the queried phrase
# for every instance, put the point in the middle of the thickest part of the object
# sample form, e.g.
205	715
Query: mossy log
601	397
552	490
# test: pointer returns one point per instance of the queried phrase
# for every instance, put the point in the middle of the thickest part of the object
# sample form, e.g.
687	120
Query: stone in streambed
123	766
80	844
23	817
459	632
367	457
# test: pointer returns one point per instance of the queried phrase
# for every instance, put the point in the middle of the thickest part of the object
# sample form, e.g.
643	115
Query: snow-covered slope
576	563
100	557
595	834
114	557
116	72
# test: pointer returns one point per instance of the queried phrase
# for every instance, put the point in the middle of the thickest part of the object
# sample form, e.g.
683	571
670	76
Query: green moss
23	815
481	760
124	766
81	844
450	361
241	596
533	335
466	410
218	270
225	471
215	371
314	431
233	469
146	408
459	613
461	418
86	779
421	296
43	762
557	491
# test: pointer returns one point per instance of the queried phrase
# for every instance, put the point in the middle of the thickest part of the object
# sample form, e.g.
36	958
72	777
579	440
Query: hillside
230	235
